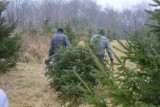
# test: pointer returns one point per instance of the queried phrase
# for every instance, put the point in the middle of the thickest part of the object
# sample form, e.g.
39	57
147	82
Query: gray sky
120	4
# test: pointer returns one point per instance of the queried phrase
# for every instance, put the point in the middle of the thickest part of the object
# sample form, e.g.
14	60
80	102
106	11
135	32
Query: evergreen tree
112	35
130	87
139	86
61	74
47	28
9	44
143	82
69	32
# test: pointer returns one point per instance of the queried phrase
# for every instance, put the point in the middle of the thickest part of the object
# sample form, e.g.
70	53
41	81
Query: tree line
80	13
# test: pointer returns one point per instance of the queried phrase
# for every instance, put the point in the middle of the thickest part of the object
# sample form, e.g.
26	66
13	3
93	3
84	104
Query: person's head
60	30
101	31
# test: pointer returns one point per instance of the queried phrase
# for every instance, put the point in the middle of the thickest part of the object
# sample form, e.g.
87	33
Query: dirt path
26	86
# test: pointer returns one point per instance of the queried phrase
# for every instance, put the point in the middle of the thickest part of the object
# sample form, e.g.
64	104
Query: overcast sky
120	4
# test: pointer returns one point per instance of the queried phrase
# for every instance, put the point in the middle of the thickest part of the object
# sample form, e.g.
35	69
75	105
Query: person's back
3	99
58	40
100	43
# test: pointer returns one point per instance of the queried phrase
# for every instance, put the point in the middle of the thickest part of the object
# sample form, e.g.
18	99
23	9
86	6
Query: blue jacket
58	39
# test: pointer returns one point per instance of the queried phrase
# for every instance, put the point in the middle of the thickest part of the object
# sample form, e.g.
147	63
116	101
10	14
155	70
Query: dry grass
34	49
26	86
115	43
34	46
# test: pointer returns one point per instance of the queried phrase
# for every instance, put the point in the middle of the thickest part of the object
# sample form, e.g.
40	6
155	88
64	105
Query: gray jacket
101	43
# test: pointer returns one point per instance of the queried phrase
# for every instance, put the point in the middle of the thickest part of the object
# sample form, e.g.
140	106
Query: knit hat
102	31
60	30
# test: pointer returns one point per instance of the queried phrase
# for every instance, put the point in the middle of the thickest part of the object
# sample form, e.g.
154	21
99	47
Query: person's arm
3	99
51	48
109	51
68	44
92	39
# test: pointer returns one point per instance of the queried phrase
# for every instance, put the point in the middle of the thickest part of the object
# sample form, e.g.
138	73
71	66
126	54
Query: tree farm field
26	84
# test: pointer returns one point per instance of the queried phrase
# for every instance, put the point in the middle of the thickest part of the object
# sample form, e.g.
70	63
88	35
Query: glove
112	65
112	62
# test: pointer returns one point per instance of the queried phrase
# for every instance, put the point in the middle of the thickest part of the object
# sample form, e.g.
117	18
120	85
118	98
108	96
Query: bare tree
37	12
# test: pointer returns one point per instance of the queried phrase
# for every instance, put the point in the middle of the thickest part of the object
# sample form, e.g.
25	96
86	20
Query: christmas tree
9	44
